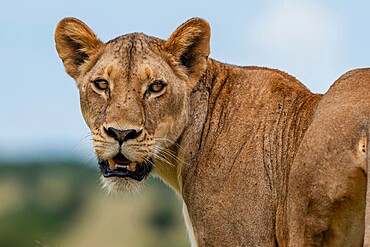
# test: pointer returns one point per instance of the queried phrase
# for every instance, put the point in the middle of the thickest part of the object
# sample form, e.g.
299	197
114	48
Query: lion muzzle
120	166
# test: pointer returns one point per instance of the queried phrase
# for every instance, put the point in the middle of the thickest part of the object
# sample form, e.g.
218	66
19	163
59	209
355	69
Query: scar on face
145	73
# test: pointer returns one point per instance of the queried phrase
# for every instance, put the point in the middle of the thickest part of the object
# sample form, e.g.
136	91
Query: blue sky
315	41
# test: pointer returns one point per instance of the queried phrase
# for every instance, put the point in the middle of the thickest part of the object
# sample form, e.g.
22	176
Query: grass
63	205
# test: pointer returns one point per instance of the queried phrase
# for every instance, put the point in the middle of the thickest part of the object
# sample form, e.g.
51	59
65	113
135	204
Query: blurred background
50	193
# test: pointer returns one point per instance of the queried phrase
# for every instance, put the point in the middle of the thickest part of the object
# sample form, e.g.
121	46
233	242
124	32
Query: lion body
256	121
258	159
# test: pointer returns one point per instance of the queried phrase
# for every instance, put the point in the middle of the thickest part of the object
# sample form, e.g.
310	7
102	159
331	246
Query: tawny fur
258	159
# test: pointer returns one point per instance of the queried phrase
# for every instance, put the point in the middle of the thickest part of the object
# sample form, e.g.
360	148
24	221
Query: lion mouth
120	166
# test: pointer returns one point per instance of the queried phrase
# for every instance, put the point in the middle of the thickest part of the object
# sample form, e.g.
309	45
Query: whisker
160	154
151	162
98	140
164	160
166	140
86	136
171	154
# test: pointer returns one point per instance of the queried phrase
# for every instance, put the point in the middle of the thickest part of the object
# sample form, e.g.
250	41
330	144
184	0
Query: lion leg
327	203
327	182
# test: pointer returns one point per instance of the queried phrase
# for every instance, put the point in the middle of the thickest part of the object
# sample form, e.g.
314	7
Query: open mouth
120	166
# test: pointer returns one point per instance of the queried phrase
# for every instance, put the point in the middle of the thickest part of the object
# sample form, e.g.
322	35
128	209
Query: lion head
134	94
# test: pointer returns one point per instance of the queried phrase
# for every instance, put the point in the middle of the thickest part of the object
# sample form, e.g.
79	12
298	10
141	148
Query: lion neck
202	103
185	151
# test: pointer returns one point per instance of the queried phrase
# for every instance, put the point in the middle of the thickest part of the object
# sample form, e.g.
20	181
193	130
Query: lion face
135	106
134	93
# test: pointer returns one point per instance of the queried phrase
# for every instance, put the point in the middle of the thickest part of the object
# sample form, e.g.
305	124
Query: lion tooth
132	166
112	164
122	166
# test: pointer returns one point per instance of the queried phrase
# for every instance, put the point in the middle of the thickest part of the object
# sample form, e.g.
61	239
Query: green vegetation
63	205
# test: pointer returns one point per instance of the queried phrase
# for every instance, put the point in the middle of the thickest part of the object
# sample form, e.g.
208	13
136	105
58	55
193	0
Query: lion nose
122	135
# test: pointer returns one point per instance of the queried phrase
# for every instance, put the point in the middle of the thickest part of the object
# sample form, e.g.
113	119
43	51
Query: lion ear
189	45
75	42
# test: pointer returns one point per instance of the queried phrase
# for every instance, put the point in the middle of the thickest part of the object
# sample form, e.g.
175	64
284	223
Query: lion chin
126	185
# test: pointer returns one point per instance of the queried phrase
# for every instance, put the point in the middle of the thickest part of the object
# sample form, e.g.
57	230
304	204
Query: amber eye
156	86
101	84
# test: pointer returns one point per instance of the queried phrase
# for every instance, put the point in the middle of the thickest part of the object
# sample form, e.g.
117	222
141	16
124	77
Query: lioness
258	159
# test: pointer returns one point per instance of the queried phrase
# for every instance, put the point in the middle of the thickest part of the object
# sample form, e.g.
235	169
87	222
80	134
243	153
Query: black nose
122	135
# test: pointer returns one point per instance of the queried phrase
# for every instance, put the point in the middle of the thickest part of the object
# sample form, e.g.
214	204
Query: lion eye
101	84
156	86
